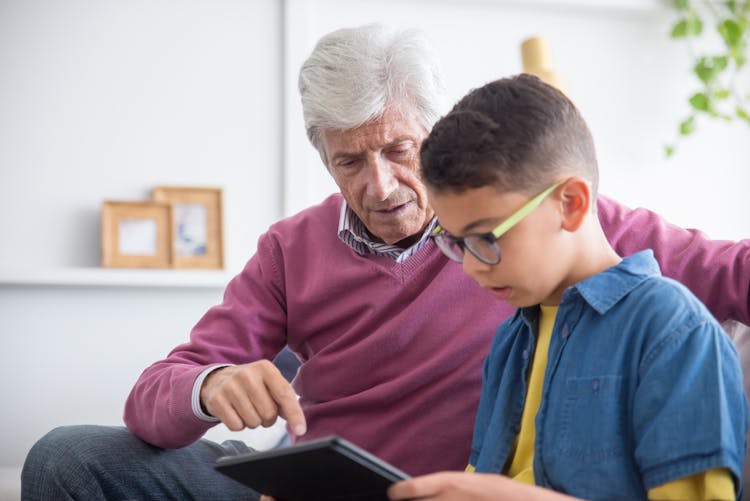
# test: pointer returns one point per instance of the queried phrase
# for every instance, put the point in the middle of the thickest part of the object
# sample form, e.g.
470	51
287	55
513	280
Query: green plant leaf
743	114
694	26
731	32
680	29
708	68
681	4
700	101
721	93
738	55
687	126
720	63
704	70
669	150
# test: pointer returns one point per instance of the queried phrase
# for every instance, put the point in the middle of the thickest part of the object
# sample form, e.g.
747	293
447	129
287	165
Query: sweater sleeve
717	271
249	325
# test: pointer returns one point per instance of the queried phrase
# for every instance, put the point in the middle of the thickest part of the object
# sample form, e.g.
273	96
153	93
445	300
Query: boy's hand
459	486
252	395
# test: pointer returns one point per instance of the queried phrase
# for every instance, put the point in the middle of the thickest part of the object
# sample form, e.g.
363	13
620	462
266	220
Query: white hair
354	74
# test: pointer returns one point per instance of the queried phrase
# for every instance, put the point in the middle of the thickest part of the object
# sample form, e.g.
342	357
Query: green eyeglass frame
484	246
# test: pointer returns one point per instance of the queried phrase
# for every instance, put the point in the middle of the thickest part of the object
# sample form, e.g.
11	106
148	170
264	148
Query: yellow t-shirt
716	484
522	463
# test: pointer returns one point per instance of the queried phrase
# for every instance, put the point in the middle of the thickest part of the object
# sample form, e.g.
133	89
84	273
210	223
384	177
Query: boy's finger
406	489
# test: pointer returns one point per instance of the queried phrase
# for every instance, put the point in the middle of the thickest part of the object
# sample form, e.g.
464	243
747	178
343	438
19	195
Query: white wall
106	98
103	99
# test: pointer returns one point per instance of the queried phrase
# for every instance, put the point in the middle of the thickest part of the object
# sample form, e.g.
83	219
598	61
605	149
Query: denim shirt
642	387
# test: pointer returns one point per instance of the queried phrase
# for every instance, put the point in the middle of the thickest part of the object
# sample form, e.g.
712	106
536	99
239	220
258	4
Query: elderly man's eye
346	162
401	149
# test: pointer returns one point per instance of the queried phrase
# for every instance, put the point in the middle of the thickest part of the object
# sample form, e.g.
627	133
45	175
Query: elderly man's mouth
392	211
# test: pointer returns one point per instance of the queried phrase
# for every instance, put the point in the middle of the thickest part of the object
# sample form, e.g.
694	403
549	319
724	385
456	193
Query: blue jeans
98	462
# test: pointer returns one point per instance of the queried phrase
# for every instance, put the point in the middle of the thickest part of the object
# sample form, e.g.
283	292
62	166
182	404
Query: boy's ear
575	194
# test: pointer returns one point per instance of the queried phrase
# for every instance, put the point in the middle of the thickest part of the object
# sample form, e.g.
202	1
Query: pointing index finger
289	407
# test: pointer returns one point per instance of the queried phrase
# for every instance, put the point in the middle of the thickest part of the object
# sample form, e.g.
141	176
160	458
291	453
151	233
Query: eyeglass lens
484	247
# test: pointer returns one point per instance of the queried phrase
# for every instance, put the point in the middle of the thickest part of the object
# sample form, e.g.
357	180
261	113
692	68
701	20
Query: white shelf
110	277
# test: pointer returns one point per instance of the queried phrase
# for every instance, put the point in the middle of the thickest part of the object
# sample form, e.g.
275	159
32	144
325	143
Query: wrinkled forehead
389	128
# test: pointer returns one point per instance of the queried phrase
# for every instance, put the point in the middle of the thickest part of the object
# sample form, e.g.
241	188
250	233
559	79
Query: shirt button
565	331
525	354
595	384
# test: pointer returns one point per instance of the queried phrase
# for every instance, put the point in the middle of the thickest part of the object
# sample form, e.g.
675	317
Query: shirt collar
352	232
605	289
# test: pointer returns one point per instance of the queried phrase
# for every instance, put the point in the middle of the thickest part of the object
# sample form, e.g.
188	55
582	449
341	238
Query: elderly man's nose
381	180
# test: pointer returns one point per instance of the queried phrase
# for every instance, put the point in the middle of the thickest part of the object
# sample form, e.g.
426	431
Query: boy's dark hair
517	133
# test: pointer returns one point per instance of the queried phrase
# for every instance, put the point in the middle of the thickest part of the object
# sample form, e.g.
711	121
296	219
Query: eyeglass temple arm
523	211
515	218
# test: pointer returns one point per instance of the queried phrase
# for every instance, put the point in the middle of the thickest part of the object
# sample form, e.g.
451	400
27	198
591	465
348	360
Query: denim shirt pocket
592	419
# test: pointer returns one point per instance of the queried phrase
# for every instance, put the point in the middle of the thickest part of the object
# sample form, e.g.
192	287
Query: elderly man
390	333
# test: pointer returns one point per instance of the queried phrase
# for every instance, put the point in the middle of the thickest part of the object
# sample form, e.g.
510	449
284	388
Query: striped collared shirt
353	233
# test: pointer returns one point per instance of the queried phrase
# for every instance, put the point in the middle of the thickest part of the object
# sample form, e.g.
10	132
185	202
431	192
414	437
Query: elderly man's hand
252	395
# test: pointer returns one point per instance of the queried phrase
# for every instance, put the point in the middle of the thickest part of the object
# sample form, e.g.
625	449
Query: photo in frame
197	226
136	234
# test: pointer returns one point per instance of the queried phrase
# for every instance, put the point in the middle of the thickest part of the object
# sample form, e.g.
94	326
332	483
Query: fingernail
299	429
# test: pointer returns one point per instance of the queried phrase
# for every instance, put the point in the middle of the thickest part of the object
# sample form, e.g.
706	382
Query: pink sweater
391	353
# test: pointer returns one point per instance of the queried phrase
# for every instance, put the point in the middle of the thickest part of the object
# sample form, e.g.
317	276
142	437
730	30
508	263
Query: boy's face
532	264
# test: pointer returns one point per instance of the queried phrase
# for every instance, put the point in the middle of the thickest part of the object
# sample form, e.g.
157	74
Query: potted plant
722	88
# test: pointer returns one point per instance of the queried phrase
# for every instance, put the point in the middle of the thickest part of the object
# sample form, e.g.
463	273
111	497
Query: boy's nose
473	266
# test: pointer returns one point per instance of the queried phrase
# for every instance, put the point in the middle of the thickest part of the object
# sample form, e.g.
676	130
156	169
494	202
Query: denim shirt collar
605	289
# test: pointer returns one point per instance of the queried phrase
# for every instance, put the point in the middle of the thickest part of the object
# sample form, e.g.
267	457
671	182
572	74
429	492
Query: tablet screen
325	469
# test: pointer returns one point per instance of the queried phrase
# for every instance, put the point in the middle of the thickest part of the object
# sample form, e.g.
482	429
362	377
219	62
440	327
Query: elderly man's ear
575	202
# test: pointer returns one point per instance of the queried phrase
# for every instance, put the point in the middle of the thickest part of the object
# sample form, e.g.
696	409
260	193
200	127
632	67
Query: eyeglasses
484	245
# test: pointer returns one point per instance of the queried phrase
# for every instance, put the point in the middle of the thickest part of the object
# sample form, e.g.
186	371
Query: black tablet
325	469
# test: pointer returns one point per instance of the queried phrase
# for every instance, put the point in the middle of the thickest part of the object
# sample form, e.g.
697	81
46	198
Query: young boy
610	381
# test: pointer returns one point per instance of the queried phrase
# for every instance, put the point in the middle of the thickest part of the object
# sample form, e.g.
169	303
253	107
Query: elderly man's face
376	167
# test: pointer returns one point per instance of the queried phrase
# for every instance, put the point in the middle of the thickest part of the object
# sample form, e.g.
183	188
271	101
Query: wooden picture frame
197	226
136	234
